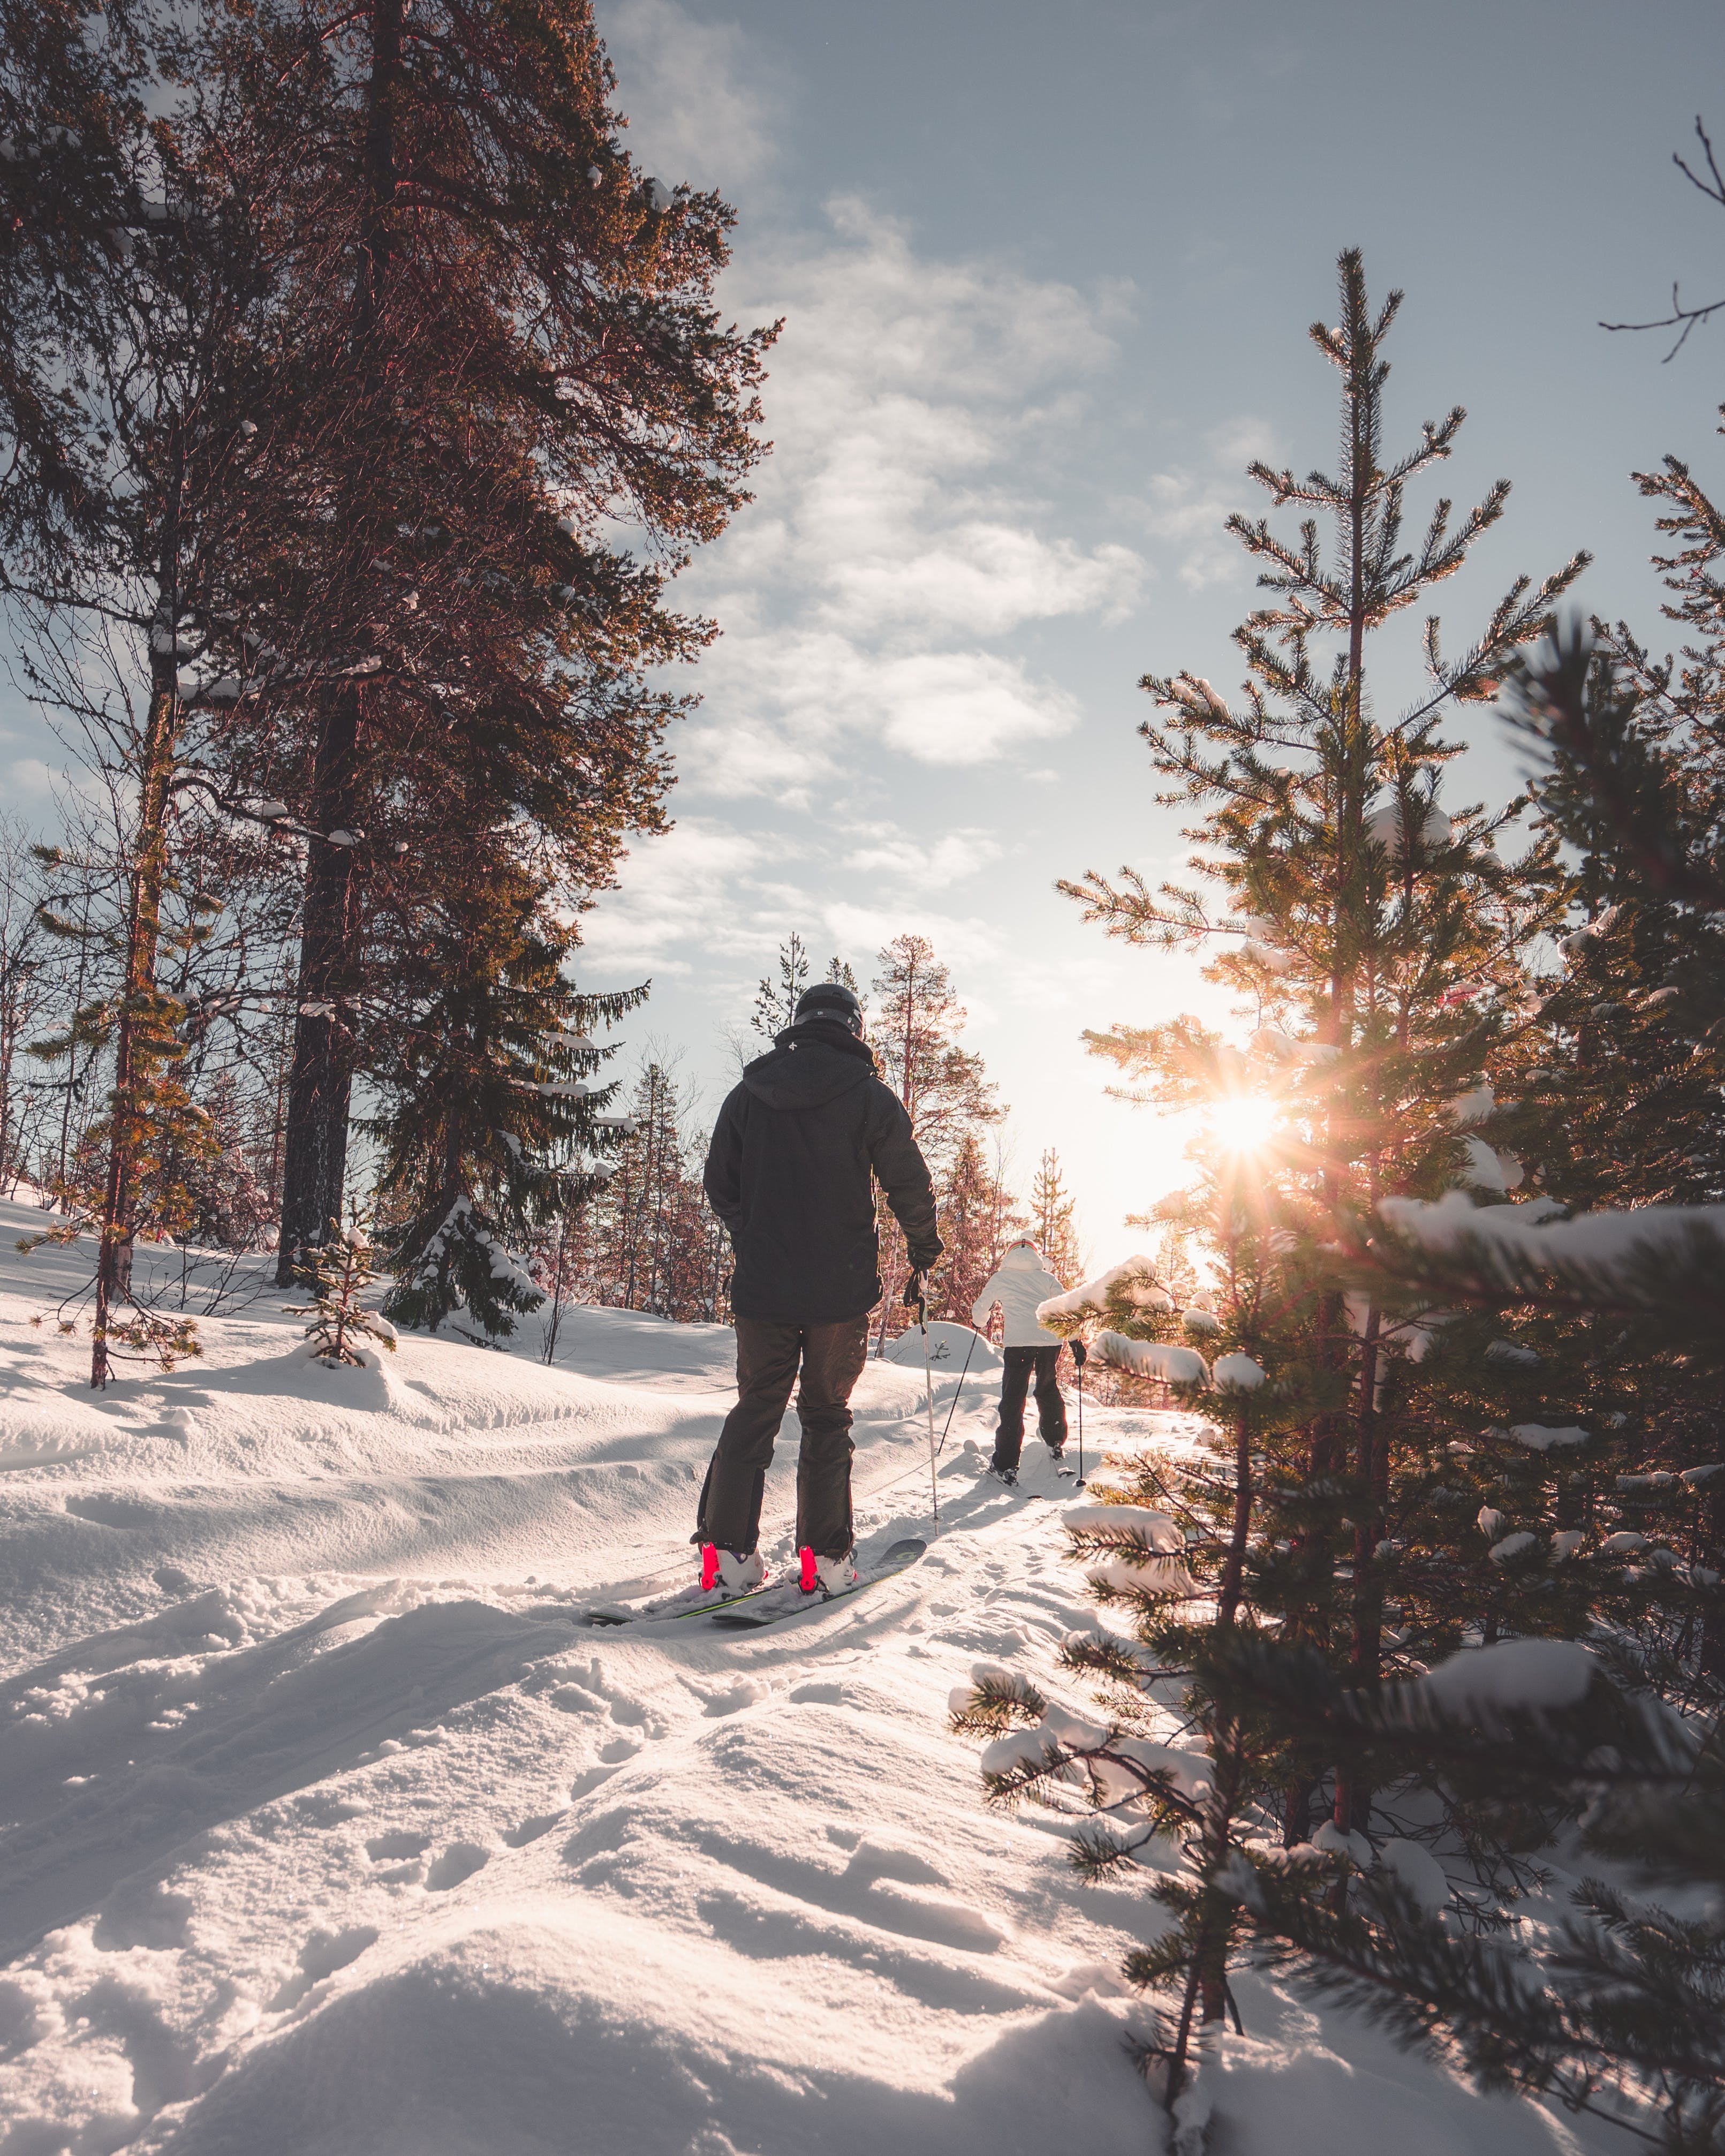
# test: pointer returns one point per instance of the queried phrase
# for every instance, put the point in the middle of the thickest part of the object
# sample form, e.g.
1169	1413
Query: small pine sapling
342	1270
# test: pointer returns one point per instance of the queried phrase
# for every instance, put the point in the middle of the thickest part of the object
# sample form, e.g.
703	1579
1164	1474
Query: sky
1045	274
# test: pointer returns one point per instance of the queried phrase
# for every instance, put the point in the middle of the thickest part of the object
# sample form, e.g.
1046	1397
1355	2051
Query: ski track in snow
328	1829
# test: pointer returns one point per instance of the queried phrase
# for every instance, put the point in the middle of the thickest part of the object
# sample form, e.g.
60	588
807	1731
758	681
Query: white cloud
708	902
1186	509
919	411
670	900
699	107
861	931
926	865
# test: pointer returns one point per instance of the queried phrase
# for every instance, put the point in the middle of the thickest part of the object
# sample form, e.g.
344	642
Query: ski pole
915	1300
946	1427
1080	1356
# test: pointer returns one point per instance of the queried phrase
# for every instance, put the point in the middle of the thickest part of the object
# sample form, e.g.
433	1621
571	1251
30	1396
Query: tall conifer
507	345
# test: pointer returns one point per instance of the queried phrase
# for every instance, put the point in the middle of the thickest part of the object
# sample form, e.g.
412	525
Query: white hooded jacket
1021	1283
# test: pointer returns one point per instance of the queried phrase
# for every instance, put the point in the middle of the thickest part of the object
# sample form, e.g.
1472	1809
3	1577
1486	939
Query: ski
661	1614
900	1557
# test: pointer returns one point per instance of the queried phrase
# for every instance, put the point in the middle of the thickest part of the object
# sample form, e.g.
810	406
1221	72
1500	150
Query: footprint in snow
459	1861
322	1954
570	1699
397	1843
617	1750
529	1830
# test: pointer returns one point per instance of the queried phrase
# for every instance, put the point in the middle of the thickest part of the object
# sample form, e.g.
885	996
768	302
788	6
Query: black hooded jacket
789	1173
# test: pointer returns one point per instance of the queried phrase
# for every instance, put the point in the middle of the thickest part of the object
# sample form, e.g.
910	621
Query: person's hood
809	1065
1024	1255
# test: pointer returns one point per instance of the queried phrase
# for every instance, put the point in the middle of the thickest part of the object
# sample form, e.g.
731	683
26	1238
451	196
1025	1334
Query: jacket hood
1025	1255
809	1065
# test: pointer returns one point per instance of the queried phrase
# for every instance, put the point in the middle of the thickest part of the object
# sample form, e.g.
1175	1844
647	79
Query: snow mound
948	1345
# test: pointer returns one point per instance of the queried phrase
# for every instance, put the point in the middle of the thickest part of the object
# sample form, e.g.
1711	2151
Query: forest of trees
341	347
338	353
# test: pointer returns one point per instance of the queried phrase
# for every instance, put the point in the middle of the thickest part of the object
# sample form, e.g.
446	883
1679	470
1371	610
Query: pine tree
133	524
776	1001
1006	1219
506	348
657	1244
967	1202
1384	960
492	1114
1387	931
342	1270
947	1097
1053	1220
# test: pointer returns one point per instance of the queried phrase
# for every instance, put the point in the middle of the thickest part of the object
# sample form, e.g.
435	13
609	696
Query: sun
1241	1122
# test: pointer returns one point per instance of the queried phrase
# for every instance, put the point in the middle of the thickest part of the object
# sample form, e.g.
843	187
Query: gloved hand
913	1290
926	1256
1081	1353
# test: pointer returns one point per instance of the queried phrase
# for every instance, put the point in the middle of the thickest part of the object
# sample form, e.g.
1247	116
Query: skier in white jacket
1021	1282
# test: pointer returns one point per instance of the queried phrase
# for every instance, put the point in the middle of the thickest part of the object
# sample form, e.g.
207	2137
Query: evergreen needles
341	1269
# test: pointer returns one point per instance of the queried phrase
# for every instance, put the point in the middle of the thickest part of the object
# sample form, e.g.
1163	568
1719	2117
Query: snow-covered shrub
458	1262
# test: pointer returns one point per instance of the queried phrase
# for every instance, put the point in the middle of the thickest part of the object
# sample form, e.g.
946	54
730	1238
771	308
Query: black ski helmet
830	999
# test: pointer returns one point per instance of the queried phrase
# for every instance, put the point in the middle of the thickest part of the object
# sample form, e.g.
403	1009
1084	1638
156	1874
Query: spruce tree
341	1269
1053	1220
492	1124
1382	935
657	1245
966	1201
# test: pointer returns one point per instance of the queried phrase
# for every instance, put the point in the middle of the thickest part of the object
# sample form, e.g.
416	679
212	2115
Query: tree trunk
314	1153
1712	1631
1353	1801
131	1071
1227	1600
314	1169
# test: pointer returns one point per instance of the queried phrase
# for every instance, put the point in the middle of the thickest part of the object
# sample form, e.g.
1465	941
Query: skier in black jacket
790	1172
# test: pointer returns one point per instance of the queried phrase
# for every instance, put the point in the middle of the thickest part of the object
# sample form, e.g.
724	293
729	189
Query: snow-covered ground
329	1825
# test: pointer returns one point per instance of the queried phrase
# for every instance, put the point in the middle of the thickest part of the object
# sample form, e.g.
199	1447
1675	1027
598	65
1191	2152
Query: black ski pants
768	1354
1051	1407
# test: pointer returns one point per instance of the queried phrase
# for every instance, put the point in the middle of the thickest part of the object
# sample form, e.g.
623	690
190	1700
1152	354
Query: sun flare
1241	1122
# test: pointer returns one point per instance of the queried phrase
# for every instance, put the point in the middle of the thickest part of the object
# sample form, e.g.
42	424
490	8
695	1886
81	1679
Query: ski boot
1008	1475
727	1574
826	1575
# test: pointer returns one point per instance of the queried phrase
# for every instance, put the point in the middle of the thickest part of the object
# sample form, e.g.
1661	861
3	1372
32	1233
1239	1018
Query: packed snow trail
328	1829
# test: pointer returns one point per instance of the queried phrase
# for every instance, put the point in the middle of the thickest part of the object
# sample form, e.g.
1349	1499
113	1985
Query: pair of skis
768	1604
